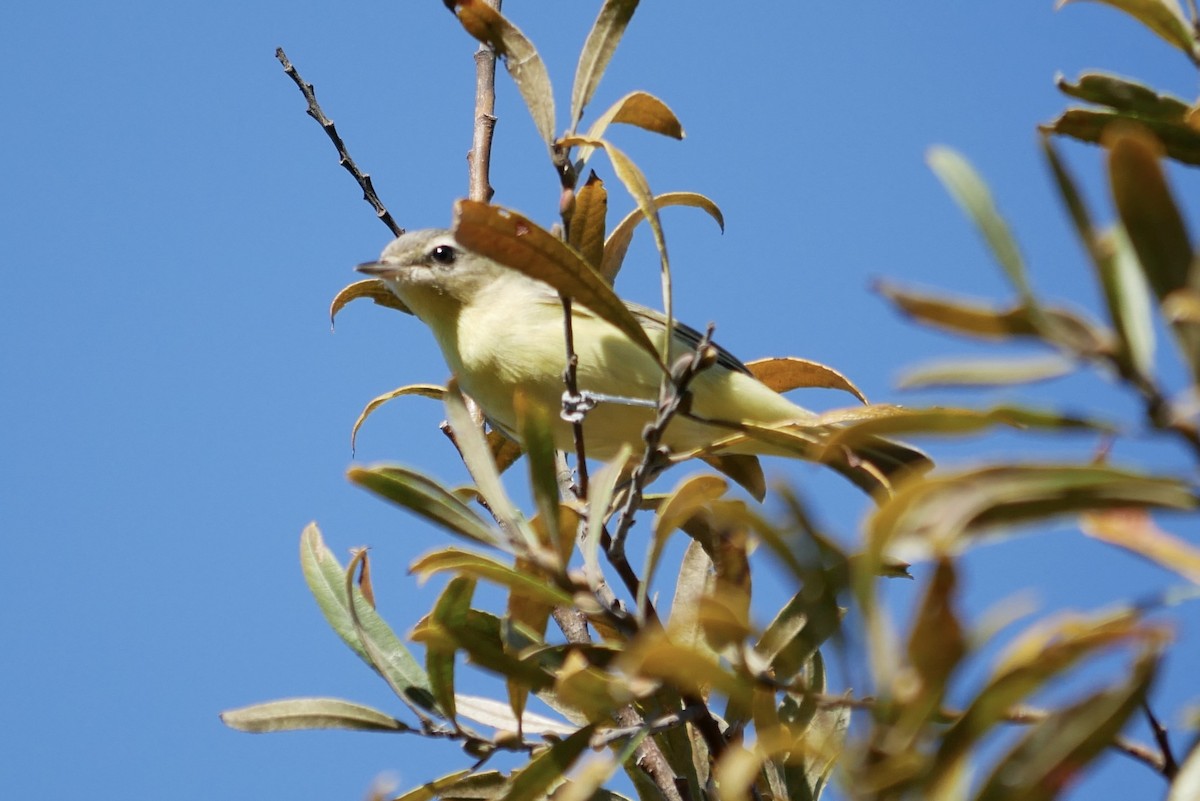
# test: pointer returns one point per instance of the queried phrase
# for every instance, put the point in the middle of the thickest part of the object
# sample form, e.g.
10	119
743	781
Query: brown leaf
1134	530
372	288
786	373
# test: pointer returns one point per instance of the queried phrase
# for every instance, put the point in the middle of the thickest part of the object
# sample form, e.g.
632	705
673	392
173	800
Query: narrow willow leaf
1044	653
1147	209
586	782
498	715
783	374
1135	531
450	612
861	424
477	457
941	514
937	642
297	714
516	242
1125	291
521	59
421	494
600	496
533	423
971	318
1062	746
597	51
467	782
548	768
617	244
696	579
586	230
635	183
326	580
373	288
479	635
1153	223
423	390
1180	139
1124	95
985	372
972	194
1164	17
640	109
465	563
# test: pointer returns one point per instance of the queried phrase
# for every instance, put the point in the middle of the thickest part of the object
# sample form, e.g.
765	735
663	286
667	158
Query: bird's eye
443	254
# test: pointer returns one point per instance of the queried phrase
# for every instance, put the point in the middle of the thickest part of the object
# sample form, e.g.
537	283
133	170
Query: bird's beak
378	269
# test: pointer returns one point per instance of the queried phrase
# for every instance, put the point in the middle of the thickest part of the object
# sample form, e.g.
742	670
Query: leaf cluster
702	701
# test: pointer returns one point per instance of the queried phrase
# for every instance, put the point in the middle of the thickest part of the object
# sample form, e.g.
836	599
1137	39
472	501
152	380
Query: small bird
501	332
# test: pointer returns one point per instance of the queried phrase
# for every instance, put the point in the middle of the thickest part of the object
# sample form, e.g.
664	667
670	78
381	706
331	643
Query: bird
501	334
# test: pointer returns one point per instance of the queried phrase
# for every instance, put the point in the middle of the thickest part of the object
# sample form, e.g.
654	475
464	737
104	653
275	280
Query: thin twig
314	111
675	395
479	160
1169	766
571	379
1023	716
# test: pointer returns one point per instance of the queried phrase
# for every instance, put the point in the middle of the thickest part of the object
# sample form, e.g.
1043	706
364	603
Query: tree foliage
700	702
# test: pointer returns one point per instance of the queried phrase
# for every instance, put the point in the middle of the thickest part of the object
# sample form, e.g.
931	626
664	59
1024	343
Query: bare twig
479	160
1169	766
675	395
314	111
571	379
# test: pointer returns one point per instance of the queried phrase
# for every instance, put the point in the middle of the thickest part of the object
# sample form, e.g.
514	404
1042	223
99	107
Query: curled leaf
423	390
617	244
786	373
372	288
1164	17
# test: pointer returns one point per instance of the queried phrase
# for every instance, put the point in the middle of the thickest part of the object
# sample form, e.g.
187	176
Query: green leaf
533	424
1125	291
943	513
423	390
597	51
617	244
1148	211
1124	95
985	372
972	194
521	59
688	498
518	243
421	494
466	563
297	714
600	496
477	456
1164	17
1181	139
450	612
937	643
1062	746
460	784
696	579
1043	653
386	654
547	768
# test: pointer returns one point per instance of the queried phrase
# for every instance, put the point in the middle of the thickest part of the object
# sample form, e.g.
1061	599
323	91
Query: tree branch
314	111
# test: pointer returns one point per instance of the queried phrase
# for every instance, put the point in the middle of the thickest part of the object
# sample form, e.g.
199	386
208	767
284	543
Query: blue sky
176	408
